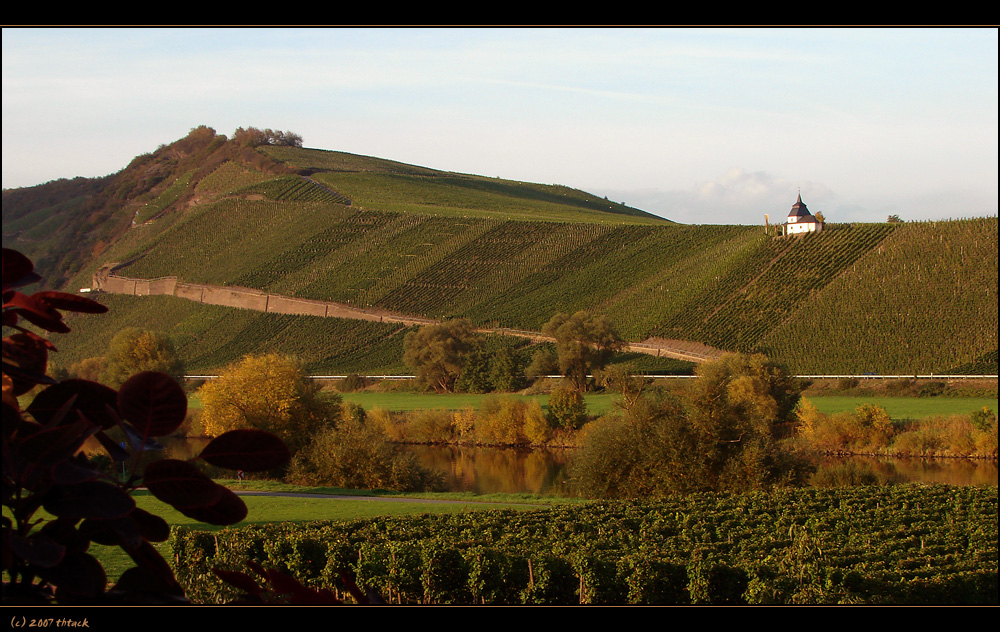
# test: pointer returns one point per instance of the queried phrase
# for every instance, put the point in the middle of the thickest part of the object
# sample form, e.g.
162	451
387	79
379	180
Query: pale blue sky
696	125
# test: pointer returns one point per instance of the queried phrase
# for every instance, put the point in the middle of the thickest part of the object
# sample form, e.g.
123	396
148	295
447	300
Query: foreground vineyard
895	545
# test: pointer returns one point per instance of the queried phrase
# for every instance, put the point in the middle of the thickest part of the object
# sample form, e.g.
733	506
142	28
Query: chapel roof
799	209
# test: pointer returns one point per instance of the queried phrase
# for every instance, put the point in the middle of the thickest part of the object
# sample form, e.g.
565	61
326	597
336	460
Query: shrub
352	383
357	454
719	435
500	421
429	426
983	420
567	408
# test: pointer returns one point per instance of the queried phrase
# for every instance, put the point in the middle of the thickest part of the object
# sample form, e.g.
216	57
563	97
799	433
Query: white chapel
800	220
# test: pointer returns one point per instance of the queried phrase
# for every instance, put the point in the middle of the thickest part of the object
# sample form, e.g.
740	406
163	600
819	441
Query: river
508	470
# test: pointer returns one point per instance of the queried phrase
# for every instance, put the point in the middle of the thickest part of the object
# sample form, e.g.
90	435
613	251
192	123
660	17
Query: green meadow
402	401
905	407
601	403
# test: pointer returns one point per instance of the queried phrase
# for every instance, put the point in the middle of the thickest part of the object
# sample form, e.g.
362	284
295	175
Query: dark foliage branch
45	557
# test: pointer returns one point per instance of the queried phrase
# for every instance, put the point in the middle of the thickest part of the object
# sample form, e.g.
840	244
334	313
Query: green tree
630	387
737	407
439	352
506	371
356	454
267	392
475	374
133	350
543	362
720	433
584	343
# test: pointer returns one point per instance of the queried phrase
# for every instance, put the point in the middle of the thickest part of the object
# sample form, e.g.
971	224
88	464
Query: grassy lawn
905	407
597	403
601	403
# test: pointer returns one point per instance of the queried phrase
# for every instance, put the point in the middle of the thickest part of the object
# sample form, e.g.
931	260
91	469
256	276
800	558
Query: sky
700	126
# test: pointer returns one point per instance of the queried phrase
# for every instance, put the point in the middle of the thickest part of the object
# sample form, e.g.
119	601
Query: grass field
601	403
905	407
597	403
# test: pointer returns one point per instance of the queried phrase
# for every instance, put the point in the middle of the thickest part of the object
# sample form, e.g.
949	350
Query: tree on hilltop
253	137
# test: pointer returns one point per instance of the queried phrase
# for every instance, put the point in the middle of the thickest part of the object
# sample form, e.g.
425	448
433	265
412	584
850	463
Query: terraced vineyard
209	337
382	235
928	294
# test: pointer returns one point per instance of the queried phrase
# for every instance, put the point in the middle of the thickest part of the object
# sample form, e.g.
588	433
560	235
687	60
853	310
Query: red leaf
153	402
78	574
250	450
92	399
141	585
36	312
229	510
70	302
155	569
152	527
95	499
40	454
37	549
17	270
240	580
181	485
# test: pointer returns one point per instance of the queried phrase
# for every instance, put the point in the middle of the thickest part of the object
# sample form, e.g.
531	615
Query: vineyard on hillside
800	299
926	297
381	235
209	337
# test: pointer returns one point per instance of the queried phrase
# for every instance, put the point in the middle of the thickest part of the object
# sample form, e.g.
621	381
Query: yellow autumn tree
267	392
133	350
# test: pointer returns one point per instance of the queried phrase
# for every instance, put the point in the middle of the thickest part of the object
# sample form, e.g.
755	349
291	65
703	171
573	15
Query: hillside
382	235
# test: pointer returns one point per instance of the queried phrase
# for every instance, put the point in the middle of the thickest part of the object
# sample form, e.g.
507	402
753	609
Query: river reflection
504	470
488	470
545	471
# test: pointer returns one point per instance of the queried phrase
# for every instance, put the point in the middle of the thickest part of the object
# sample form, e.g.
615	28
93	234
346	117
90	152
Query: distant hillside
379	234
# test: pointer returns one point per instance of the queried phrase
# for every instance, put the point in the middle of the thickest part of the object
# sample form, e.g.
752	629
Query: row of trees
449	356
253	137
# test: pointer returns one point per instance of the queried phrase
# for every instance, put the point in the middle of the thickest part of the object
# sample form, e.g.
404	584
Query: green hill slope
378	234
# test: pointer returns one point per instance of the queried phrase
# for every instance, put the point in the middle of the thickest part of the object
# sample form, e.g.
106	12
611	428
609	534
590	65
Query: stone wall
240	297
